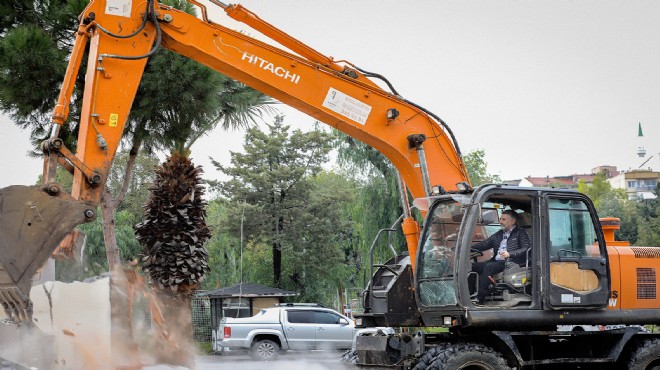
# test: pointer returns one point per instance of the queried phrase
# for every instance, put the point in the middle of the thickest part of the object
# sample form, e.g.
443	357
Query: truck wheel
264	350
461	356
646	356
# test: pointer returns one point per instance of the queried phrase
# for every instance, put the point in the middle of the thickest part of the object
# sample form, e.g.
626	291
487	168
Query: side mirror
343	321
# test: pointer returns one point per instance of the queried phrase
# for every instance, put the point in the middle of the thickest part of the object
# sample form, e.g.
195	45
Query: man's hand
504	254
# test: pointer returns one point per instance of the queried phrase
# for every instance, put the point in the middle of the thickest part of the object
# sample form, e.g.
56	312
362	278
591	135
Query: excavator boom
122	34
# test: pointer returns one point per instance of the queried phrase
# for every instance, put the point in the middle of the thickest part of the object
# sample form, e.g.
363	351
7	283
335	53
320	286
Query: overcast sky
544	87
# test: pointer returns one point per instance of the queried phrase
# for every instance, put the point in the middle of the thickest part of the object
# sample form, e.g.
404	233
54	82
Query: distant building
610	171
244	300
638	184
570	181
556	181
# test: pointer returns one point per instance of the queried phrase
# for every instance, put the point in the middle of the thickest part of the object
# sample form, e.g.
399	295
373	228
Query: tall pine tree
269	190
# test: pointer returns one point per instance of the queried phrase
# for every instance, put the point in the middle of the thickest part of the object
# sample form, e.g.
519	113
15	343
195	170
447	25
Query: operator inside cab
509	245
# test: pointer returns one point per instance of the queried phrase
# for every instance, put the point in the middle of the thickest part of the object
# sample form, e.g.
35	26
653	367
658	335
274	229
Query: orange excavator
572	274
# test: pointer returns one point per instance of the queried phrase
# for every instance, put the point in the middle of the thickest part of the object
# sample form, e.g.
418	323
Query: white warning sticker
347	106
569	298
121	8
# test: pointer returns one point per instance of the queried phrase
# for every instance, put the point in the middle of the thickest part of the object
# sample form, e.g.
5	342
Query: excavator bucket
33	221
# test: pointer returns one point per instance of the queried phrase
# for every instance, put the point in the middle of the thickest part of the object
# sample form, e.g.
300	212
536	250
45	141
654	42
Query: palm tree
173	230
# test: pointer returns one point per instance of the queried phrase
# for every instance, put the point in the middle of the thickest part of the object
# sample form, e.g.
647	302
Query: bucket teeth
17	306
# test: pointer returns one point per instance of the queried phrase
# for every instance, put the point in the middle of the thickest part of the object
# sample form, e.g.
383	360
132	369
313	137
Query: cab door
576	257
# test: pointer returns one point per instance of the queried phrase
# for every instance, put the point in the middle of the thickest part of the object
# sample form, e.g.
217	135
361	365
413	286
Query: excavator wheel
33	220
646	356
456	356
429	356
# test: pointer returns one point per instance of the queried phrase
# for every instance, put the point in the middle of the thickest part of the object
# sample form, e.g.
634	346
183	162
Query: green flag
639	130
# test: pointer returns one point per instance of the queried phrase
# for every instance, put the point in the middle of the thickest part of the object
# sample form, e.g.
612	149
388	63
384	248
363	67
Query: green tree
598	190
477	167
648	213
35	39
315	264
223	248
377	204
268	185
649	232
611	202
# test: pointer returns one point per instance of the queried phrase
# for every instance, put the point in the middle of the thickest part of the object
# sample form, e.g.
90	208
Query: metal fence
201	319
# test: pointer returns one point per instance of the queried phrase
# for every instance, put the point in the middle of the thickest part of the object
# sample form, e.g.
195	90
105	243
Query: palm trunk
177	312
123	347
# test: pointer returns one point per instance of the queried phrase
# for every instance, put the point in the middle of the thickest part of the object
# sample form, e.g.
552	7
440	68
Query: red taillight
227	332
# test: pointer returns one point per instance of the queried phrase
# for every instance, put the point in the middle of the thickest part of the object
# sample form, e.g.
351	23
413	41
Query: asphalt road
314	360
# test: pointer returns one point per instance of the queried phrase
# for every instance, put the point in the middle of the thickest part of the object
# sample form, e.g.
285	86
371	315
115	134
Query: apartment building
638	184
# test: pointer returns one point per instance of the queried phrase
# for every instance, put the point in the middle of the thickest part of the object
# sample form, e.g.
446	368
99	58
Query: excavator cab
567	260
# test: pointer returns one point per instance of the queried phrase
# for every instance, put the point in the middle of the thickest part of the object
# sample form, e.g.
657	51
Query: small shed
242	300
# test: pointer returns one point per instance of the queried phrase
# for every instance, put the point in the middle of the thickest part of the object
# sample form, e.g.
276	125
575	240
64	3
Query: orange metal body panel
633	272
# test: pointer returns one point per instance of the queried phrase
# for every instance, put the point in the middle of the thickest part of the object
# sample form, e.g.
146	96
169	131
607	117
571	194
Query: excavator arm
121	35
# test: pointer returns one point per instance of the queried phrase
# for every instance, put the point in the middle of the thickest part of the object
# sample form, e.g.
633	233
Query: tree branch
130	164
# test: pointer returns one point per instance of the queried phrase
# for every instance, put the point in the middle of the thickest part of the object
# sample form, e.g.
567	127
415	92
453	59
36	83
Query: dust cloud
73	329
72	334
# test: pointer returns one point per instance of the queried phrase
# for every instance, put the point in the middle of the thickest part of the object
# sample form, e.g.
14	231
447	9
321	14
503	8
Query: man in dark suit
510	244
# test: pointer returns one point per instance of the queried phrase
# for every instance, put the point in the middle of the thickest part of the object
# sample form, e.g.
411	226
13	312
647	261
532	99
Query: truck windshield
436	283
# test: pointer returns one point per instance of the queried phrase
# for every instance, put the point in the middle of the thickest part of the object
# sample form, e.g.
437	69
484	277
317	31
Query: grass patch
204	348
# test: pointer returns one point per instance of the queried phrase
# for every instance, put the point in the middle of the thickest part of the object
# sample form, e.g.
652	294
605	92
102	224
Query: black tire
646	356
428	357
264	350
462	356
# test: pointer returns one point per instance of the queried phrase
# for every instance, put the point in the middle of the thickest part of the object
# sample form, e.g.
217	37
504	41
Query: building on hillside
638	184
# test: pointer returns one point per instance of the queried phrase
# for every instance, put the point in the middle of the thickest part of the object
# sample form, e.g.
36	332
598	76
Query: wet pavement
313	360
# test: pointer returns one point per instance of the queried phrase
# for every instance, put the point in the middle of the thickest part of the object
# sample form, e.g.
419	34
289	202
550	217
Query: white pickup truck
287	327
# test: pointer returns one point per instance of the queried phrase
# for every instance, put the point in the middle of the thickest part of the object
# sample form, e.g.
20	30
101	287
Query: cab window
572	231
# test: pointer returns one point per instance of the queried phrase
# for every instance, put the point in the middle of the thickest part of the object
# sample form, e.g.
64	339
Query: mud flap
33	220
